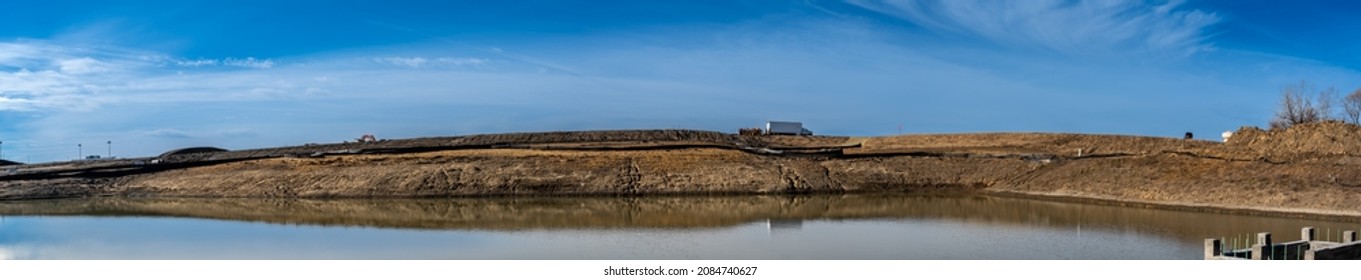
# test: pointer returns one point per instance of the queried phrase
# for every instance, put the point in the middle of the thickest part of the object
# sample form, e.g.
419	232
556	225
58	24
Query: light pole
110	142
80	151
2	149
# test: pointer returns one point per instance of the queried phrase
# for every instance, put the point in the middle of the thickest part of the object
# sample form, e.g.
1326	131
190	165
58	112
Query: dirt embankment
1312	168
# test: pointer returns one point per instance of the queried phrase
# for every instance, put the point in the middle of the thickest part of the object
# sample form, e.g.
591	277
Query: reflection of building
783	225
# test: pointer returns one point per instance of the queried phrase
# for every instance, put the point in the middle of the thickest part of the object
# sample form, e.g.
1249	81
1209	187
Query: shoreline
1313	214
1272	173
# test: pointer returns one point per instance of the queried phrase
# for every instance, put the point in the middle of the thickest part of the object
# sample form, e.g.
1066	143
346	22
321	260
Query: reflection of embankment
670	212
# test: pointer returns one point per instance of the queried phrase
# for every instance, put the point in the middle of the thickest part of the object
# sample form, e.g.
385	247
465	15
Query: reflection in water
783	225
727	227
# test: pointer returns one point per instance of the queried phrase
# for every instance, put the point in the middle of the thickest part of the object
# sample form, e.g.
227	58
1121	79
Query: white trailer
786	128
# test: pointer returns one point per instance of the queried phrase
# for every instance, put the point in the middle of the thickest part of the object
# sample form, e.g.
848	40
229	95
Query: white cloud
196	62
1103	27
403	61
25	90
84	65
461	61
12	54
44	76
13	104
166	133
174	133
249	62
417	62
38	76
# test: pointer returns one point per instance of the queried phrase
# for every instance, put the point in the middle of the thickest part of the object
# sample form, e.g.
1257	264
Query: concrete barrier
1307	248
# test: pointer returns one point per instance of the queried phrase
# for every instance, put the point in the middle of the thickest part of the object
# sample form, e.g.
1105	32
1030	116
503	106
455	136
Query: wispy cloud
84	65
175	133
166	133
39	76
417	61
196	62
43	76
403	61
1101	27
249	62
50	93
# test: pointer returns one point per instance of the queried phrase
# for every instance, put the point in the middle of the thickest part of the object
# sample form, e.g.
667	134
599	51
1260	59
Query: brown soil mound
1062	145
785	141
1329	138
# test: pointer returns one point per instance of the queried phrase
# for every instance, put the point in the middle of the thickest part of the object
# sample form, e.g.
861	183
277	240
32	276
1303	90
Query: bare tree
1297	107
1351	107
1324	103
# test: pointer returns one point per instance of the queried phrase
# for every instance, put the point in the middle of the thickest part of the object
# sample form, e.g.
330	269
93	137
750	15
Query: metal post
1234	245
1299	251
1228	245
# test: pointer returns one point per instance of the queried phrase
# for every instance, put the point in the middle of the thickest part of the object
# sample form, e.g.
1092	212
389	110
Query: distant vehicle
92	157
786	128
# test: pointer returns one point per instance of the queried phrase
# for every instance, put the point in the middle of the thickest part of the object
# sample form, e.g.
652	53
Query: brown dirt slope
1311	168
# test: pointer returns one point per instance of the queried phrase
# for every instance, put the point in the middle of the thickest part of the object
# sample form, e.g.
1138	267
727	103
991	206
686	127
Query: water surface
730	227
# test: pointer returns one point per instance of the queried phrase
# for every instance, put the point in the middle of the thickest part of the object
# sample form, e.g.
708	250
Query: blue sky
155	75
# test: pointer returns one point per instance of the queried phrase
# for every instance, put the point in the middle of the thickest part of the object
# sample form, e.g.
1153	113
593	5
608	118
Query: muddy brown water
863	226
